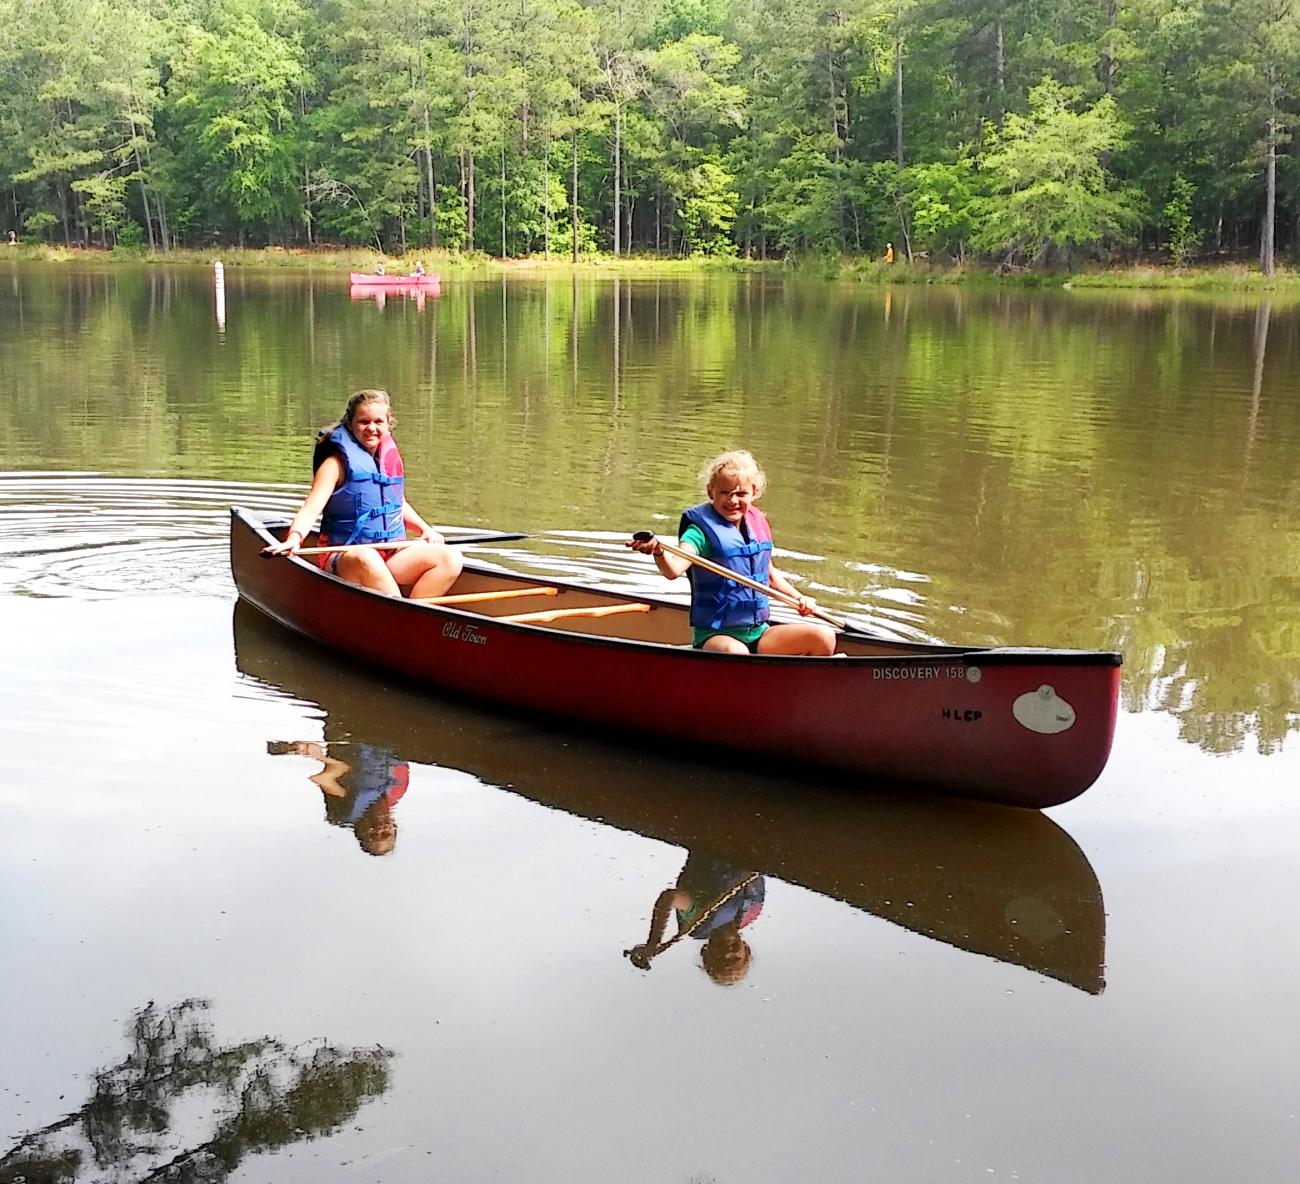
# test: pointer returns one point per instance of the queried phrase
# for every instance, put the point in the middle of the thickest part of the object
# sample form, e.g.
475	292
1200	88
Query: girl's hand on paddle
640	956
807	606
645	542
431	536
292	541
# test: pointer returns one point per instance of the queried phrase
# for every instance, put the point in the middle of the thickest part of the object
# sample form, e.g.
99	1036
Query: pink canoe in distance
364	279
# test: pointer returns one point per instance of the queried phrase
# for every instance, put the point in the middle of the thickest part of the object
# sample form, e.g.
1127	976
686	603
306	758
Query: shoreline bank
1221	277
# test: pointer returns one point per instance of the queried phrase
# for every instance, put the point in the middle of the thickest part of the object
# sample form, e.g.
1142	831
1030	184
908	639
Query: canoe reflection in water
144	1116
714	901
361	783
1006	883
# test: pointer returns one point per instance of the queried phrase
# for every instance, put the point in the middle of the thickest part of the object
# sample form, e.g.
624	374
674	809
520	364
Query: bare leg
430	568
798	638
365	566
720	643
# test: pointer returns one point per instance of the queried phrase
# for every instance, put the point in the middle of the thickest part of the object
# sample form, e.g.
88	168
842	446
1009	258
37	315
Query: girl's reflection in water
360	791
714	900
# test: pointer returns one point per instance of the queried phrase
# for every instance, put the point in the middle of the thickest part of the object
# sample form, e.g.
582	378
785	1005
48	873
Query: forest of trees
1021	134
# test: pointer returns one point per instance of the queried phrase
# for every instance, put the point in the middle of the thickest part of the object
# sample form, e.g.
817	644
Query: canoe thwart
478	597
556	614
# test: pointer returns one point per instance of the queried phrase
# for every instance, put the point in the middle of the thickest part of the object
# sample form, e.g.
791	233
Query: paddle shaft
705	914
766	589
393	544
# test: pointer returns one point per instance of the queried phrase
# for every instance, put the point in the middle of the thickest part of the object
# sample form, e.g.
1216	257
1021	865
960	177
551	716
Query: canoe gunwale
909	651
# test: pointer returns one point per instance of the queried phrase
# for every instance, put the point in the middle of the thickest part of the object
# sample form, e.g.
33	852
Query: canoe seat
476	597
557	614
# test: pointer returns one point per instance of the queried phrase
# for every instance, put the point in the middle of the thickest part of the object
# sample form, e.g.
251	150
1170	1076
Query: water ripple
92	536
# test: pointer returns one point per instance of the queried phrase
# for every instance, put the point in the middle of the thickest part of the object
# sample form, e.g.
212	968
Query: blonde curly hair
740	464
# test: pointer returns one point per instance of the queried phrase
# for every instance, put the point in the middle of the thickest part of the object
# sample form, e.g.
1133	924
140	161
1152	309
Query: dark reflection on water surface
998	881
261	1096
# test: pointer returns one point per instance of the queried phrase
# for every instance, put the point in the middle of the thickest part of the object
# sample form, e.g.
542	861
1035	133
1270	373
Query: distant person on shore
358	492
13	238
713	901
728	617
360	792
889	253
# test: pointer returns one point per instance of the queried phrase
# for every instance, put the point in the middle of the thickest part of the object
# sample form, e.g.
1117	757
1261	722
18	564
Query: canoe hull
1006	883
362	279
986	724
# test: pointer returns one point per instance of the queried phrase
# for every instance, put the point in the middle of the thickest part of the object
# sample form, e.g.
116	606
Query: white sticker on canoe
1043	711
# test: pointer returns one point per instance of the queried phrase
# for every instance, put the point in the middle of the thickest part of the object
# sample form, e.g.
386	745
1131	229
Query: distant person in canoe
360	792
379	269
358	492
732	532
419	269
713	902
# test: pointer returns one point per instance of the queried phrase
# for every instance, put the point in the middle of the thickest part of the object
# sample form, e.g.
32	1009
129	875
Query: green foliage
678	19
1029	133
1048	186
944	202
235	89
105	203
708	209
1181	237
803	206
130	237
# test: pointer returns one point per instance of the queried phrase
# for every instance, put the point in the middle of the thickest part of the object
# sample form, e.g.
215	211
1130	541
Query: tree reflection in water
264	1095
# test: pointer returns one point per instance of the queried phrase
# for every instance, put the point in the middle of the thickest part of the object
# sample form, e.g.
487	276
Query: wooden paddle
394	544
644	536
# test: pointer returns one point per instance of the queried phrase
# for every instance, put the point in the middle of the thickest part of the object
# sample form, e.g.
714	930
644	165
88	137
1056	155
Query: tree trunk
503	201
62	191
1000	72
306	178
428	158
898	96
546	198
164	231
618	176
574	199
1108	63
469	200
1266	255
144	189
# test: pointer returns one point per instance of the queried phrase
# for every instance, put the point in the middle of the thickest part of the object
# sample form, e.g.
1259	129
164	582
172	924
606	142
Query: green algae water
208	968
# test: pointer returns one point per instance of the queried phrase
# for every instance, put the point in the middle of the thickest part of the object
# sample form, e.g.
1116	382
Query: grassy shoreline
1222	277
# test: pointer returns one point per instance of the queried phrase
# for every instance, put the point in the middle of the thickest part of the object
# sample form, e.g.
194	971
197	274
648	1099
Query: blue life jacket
706	878
367	507
718	603
373	772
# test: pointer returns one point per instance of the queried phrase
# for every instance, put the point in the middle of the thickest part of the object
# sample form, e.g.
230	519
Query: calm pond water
205	964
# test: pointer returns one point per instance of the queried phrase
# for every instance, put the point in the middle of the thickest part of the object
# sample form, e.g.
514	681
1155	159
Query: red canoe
366	279
1025	727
